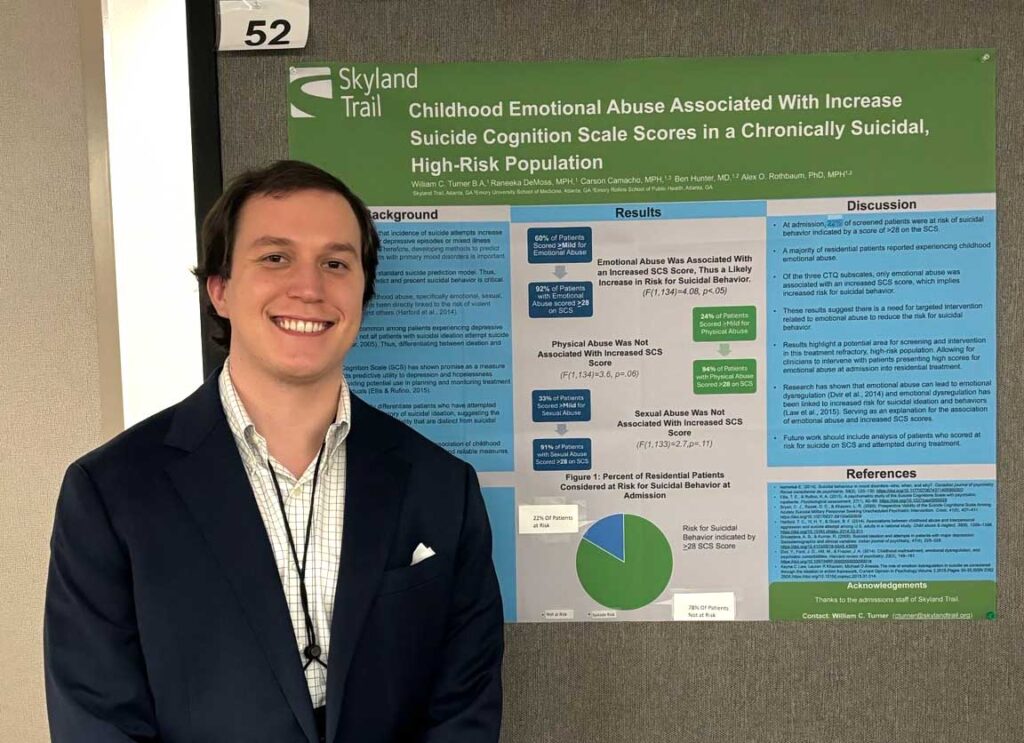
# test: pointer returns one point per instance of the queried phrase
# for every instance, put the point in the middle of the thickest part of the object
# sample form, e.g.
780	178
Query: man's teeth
301	326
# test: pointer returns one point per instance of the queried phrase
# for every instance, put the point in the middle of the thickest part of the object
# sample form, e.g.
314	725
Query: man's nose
306	282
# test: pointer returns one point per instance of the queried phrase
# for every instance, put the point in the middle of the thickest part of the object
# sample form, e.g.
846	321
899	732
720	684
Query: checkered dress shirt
328	517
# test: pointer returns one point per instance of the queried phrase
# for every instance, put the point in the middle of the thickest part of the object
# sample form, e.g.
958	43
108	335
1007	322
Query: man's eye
336	265
273	258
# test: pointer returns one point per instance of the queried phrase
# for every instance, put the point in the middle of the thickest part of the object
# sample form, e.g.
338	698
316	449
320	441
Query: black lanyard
312	651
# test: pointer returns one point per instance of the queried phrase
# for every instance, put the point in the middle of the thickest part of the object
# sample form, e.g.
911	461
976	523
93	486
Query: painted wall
49	363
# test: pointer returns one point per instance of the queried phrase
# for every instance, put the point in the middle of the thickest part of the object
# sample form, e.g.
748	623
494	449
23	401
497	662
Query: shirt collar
252	445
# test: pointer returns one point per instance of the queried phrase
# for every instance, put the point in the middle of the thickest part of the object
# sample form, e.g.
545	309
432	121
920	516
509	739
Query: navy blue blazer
166	621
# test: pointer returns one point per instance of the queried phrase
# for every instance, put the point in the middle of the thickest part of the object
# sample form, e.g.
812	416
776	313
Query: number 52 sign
262	24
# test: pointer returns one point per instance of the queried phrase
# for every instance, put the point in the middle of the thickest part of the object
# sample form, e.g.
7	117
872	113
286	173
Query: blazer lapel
213	483
374	489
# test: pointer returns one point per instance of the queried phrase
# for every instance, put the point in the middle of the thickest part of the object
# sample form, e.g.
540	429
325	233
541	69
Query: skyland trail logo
317	83
358	90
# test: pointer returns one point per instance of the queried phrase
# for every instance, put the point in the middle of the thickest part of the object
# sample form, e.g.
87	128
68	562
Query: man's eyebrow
271	241
275	241
341	248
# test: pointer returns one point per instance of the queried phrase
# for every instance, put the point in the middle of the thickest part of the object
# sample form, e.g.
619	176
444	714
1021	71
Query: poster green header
652	129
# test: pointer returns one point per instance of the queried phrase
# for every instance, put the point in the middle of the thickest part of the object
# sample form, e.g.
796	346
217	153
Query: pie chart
624	561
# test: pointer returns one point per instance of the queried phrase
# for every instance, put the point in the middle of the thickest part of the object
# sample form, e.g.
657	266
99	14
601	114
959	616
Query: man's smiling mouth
305	327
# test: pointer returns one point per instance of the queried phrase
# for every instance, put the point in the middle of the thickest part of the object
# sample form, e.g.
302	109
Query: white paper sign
262	24
549	519
704	607
567	614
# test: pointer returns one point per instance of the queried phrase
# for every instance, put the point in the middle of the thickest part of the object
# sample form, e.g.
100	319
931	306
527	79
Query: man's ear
216	287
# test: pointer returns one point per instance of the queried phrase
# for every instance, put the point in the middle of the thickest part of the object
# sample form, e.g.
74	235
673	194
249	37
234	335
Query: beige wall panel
785	683
49	378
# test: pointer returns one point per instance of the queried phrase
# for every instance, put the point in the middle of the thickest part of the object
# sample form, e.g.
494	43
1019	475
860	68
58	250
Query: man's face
295	295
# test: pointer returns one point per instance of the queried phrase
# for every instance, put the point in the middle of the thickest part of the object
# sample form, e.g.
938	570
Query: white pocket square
421	553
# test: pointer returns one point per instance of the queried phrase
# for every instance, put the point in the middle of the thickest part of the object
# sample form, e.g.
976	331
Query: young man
272	559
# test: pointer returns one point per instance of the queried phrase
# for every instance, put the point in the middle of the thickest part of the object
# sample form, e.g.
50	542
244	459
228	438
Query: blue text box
560	244
561	299
890	530
435	348
561	405
561	454
620	212
882	338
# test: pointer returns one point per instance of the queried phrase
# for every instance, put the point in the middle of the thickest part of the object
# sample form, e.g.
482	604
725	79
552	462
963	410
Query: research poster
719	335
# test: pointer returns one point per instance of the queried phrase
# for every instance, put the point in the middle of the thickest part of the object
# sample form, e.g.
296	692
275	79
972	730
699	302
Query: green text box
724	376
894	600
724	324
799	126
